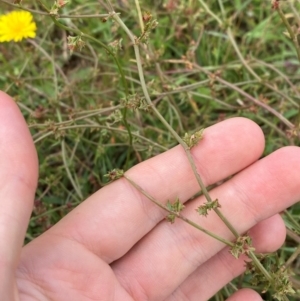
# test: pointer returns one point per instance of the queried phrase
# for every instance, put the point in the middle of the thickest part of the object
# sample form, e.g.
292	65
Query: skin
116	245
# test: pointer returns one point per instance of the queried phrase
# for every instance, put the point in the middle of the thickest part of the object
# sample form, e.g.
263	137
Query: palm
64	270
117	246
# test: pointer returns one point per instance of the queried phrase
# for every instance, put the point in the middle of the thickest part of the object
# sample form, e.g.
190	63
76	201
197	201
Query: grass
74	103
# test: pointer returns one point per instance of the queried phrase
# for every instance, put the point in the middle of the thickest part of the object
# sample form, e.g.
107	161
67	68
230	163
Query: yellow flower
16	26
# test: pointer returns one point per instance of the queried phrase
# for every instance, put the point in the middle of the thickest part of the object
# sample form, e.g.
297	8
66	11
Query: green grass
72	102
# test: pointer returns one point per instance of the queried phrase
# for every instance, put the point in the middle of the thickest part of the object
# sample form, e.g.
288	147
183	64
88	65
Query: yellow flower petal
16	26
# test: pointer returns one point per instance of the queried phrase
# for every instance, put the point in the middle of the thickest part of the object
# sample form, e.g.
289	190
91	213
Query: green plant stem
260	266
259	103
75	186
25	8
178	214
43	5
243	61
58	16
86	116
95	126
248	96
138	8
41	49
188	153
124	82
285	77
110	5
293	257
222	9
165	123
79	33
263	270
47	212
292	220
64	158
207	9
290	31
98	16
157	65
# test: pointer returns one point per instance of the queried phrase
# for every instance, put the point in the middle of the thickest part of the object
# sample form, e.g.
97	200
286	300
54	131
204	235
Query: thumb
18	179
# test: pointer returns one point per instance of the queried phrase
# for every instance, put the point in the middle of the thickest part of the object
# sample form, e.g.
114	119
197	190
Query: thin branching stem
138	8
166	124
178	214
289	29
184	145
120	69
64	157
237	50
207	9
248	96
93	126
58	16
84	35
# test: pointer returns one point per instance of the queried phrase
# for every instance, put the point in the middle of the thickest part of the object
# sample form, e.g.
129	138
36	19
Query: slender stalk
43	5
207	9
96	126
87	115
290	30
138	8
64	158
222	8
25	8
98	16
165	123
263	270
111	8
178	214
291	219
243	61
74	184
189	155
79	33
124	82
58	16
261	104
260	266
253	99
293	257
282	75
157	65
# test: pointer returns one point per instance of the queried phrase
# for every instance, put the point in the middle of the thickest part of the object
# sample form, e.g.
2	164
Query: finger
120	215
245	294
256	193
18	178
215	273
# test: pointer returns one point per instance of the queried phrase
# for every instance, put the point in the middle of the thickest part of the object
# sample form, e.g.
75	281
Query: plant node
243	245
203	209
56	6
115	117
175	209
115	46
136	102
280	277
114	174
75	43
150	25
193	139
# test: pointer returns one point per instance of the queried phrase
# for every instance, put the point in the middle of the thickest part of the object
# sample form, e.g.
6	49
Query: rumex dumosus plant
140	94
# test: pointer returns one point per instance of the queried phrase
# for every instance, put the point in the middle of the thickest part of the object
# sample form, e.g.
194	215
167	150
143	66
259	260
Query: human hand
117	246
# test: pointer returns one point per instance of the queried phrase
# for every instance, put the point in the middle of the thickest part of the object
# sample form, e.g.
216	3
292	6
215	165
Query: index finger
112	220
